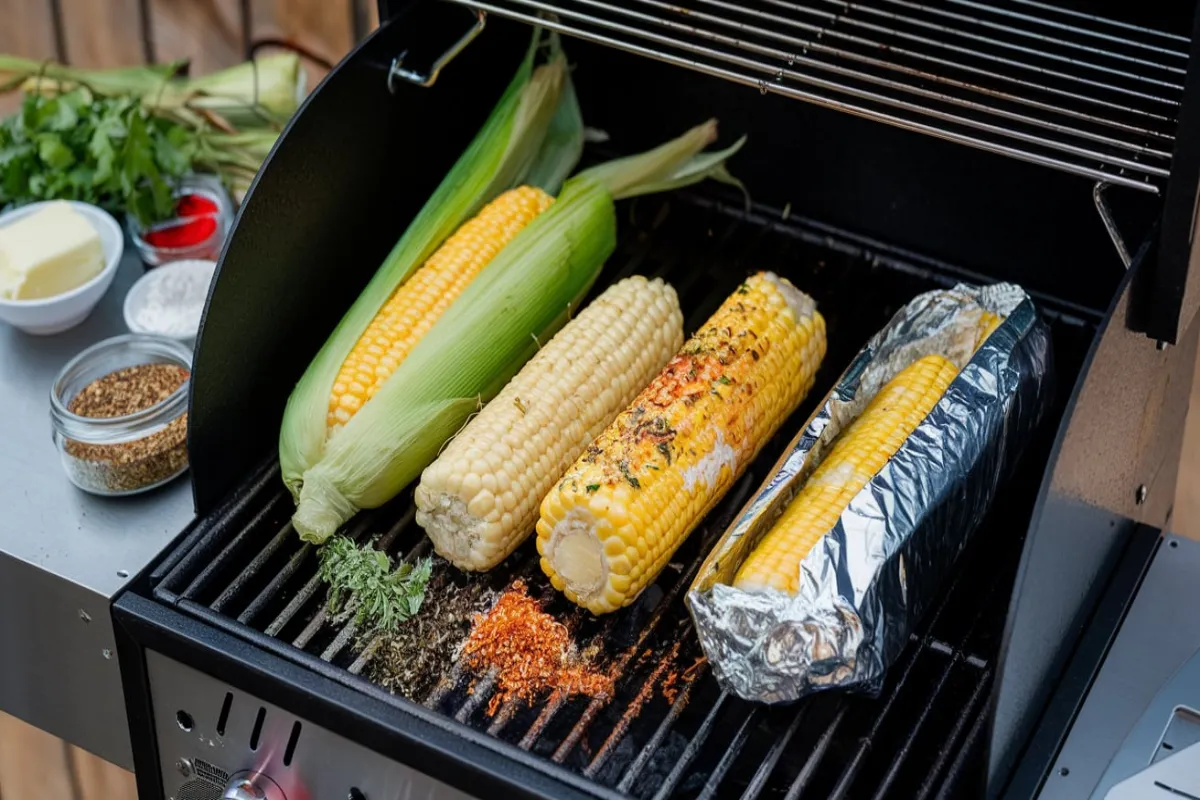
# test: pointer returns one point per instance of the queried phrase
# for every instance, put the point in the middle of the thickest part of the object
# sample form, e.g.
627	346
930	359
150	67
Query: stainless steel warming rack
1067	90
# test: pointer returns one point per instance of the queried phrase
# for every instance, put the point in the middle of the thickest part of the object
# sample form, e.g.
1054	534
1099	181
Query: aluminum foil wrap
867	583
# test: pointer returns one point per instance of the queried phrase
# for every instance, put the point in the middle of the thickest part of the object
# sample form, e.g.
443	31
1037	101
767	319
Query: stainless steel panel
1160	633
1117	463
198	755
63	551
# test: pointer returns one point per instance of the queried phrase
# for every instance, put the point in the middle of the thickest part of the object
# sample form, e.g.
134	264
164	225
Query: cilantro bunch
108	151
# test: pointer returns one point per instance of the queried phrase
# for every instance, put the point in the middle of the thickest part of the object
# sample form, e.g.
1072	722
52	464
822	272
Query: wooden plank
323	27
96	779
207	33
27	30
102	33
33	764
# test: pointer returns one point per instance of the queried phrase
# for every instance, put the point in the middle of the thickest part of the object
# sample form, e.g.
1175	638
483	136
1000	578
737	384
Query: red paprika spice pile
530	651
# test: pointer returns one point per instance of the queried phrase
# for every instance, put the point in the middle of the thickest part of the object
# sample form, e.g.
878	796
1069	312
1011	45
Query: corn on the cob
988	322
524	296
480	498
610	525
857	456
418	302
533	130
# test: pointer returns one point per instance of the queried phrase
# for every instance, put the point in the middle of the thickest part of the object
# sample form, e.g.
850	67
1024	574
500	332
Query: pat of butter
49	252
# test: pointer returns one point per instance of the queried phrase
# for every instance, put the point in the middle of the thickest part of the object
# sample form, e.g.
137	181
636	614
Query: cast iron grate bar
256	564
950	746
815	757
693	748
653	737
1069	92
652	745
731	752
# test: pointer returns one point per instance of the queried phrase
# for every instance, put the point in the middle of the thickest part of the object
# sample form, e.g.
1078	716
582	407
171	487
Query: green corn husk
523	135
264	92
527	292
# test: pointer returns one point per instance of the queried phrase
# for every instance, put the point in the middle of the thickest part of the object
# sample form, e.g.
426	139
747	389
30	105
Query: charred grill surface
666	729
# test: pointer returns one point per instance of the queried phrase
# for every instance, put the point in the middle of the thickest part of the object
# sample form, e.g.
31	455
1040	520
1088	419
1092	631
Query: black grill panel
670	731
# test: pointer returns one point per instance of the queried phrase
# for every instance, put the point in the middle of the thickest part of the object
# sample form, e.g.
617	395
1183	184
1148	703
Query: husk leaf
502	152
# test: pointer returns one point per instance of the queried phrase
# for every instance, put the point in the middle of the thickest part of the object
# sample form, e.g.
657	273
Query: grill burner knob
243	789
252	786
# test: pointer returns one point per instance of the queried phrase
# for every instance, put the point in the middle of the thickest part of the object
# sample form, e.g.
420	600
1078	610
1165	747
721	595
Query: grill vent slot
291	744
258	724
224	717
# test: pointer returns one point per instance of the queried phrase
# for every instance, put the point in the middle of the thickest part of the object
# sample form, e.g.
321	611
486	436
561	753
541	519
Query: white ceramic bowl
135	300
47	315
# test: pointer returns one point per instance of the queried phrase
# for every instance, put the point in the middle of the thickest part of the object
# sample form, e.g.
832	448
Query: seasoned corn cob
479	500
861	451
610	525
418	302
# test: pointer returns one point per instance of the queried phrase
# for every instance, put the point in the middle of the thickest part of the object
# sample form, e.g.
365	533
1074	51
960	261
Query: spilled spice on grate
531	652
412	661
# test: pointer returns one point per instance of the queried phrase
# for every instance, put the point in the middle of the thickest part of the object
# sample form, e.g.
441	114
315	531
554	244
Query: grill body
859	215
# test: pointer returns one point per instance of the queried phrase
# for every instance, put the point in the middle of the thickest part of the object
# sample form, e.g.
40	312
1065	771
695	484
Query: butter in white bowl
49	278
48	253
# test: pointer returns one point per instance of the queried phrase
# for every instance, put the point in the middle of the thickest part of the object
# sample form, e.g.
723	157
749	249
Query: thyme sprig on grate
384	597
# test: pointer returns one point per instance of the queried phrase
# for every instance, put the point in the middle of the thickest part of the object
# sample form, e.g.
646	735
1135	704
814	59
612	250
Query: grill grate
669	731
1075	92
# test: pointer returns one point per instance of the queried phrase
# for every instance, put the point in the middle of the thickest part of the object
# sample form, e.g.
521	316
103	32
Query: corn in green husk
523	296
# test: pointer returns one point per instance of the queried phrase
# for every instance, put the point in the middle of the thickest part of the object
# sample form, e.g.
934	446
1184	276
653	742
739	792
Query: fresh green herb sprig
107	151
115	153
385	596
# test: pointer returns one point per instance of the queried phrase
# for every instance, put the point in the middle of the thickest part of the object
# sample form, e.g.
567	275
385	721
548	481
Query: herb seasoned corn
611	524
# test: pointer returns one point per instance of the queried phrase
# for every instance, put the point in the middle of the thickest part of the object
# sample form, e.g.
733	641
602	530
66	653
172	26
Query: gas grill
238	677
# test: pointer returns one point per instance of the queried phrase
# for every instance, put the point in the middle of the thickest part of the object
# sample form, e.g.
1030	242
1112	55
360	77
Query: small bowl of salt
169	300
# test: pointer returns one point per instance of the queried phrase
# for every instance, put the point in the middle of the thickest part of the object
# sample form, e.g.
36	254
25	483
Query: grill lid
1167	293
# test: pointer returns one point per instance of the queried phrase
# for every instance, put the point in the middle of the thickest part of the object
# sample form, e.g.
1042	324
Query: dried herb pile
415	658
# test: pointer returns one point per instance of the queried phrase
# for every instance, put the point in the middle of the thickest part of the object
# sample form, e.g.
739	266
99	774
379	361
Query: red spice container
203	215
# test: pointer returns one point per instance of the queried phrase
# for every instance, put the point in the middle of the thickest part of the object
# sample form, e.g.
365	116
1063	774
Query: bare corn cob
418	302
857	456
480	499
610	525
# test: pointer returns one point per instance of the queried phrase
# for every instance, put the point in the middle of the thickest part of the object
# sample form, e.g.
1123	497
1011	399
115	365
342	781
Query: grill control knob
252	786
244	789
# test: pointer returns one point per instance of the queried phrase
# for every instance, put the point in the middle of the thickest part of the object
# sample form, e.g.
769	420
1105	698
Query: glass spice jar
119	414
203	218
